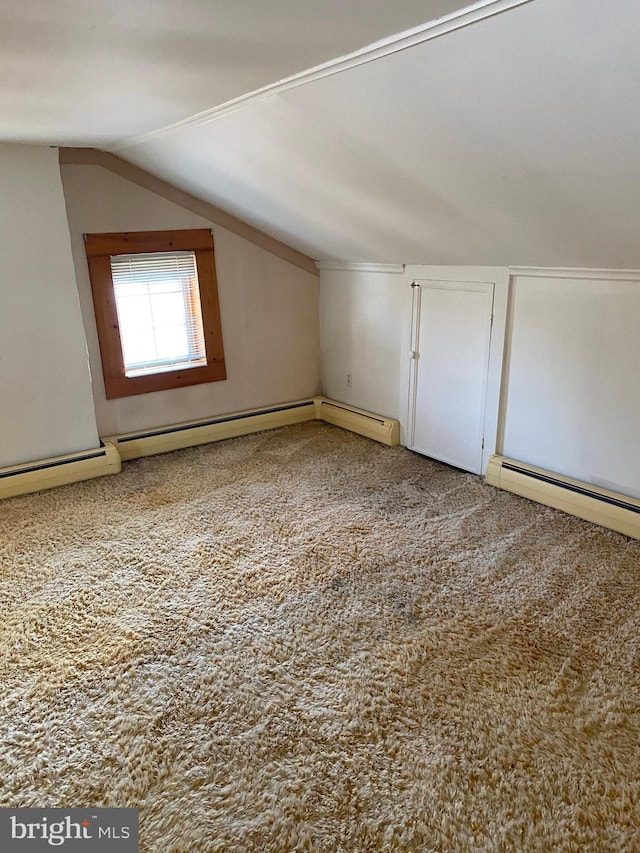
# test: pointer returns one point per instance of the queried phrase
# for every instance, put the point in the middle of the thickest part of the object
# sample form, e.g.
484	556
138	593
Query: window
156	304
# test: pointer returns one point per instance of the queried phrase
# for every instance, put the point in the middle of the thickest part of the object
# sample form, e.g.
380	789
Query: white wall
363	318
563	392
45	388
269	310
365	331
572	393
570	396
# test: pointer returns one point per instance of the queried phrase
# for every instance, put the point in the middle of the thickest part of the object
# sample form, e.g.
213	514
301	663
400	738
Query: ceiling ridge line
473	14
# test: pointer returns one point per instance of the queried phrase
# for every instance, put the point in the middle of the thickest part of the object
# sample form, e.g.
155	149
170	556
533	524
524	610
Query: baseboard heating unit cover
47	473
173	437
384	430
163	439
58	471
600	506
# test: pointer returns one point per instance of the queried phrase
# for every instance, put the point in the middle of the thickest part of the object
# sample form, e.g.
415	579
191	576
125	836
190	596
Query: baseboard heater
47	473
600	506
148	442
384	430
58	471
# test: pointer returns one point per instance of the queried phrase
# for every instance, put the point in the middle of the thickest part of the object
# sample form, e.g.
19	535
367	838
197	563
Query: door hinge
483	443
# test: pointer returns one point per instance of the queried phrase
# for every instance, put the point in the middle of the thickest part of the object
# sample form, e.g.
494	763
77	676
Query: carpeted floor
302	640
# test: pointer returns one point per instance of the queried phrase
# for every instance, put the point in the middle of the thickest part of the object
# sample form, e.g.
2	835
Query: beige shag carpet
302	640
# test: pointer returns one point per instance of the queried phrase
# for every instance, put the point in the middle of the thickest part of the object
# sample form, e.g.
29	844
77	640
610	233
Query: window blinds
158	305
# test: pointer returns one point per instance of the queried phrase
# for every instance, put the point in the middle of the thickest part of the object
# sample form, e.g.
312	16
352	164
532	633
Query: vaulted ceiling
503	133
90	72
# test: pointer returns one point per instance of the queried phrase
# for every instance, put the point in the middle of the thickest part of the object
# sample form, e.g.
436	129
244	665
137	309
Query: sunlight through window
158	305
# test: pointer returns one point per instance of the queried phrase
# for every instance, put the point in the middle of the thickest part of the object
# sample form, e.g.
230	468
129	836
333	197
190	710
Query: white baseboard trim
600	506
58	471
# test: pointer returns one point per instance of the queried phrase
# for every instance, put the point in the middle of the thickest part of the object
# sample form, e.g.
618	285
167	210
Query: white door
450	359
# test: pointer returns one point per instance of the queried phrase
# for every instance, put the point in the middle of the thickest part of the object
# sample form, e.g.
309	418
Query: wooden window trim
99	249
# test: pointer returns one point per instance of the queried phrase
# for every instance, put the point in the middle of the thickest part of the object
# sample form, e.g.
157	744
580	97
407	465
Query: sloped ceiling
513	140
89	72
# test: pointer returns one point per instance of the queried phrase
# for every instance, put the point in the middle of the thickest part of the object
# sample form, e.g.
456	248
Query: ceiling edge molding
386	269
472	14
575	272
138	176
